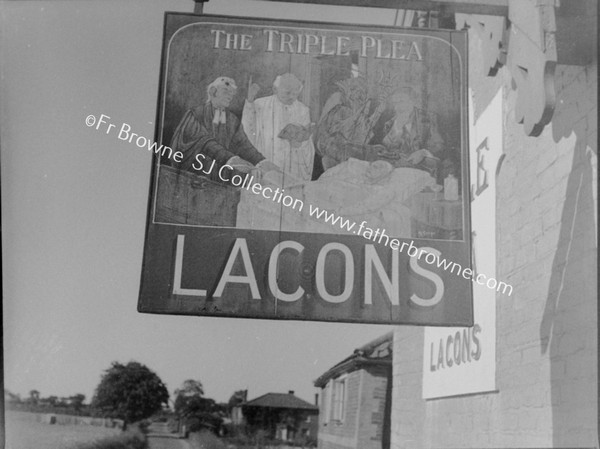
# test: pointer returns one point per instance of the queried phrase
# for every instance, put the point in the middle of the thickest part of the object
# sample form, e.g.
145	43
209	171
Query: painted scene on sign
312	130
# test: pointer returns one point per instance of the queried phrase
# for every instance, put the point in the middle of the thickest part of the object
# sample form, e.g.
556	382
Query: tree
190	388
196	410
130	392
188	398
52	400
34	396
77	401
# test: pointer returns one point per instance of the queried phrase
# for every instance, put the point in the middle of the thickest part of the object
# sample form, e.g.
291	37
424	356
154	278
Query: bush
231	430
173	425
257	440
143	425
206	440
202	421
133	439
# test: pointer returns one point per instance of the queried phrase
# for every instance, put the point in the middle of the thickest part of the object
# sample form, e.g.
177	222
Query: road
159	437
156	442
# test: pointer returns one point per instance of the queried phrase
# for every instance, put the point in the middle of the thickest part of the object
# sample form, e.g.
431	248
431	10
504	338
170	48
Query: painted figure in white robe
279	127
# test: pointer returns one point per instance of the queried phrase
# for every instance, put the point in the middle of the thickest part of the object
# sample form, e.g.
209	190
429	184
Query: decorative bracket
535	37
532	59
493	32
524	42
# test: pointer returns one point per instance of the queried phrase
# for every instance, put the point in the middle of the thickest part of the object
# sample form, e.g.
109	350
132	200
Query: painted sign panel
463	361
309	171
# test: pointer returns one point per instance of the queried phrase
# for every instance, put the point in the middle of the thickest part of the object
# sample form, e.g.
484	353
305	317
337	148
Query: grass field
24	432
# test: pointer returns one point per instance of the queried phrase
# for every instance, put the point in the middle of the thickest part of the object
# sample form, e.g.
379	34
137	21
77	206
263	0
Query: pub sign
309	171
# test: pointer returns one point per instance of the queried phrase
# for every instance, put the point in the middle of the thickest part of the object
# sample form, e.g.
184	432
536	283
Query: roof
280	400
377	352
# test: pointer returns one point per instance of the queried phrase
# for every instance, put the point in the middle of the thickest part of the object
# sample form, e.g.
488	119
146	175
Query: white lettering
177	289
349	273
433	277
391	286
273	270
240	246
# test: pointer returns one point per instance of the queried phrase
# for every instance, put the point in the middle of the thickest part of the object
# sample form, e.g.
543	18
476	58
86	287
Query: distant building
356	398
281	416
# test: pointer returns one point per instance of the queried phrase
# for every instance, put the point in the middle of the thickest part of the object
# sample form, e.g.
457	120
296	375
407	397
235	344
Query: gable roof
280	400
377	352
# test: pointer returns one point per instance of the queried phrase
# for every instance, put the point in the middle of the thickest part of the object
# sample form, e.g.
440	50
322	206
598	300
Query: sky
74	203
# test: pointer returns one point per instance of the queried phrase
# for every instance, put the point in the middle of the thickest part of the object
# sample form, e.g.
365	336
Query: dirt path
159	437
156	442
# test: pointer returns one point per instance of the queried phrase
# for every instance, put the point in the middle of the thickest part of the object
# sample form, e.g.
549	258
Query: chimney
290	391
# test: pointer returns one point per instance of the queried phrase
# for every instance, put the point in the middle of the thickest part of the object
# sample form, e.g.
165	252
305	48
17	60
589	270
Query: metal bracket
199	6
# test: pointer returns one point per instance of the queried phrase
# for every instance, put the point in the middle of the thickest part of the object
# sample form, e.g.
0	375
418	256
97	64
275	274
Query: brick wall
373	412
547	338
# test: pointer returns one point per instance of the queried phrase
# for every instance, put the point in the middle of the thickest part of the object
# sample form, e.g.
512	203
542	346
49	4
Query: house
356	399
530	378
283	416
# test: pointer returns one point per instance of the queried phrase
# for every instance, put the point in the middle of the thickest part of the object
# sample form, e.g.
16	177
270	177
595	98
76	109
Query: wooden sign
309	171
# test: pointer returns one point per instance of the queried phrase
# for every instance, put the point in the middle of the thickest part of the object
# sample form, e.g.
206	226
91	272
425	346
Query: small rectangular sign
309	171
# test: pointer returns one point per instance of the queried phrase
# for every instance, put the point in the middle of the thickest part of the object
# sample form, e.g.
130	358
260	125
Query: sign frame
175	254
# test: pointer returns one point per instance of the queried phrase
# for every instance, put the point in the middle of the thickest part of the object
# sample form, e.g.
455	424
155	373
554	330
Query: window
338	400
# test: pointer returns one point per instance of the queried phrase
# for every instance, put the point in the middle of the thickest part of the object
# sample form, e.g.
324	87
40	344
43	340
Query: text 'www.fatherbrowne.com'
430	255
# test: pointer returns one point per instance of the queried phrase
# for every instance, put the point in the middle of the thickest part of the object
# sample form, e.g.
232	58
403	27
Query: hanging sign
309	171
